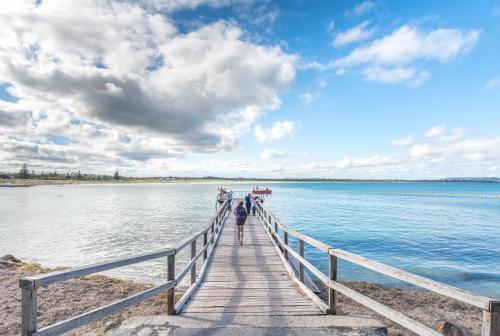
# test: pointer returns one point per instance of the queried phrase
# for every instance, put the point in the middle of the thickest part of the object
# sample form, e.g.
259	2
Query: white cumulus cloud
493	83
269	153
403	142
309	97
410	75
435	132
362	8
355	34
278	130
120	80
393	58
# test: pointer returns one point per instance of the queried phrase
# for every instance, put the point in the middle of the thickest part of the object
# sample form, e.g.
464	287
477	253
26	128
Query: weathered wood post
193	268
332	297
301	265
29	306
491	320
285	240
171	291
212	233
205	242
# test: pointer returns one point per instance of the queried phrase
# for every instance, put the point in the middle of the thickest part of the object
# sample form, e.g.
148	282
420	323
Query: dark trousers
253	211
248	209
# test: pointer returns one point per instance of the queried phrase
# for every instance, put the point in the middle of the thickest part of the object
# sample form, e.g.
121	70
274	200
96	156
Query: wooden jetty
256	279
250	279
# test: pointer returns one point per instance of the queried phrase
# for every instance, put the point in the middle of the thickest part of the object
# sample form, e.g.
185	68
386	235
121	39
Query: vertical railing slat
171	292
193	268
491	323
332	297
205	242
301	265
29	310
285	240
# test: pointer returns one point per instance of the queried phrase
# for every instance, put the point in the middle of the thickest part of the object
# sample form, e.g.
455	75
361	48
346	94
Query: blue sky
348	89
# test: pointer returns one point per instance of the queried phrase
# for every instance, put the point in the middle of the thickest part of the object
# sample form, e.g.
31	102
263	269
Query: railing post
205	242
29	307
491	320
171	291
301	265
193	269
285	240
332	297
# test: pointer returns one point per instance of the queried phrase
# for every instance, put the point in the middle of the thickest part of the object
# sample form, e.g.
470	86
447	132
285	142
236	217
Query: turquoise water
445	231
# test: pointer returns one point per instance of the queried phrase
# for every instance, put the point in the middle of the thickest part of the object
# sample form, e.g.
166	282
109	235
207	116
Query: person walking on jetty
254	205
248	203
241	217
229	197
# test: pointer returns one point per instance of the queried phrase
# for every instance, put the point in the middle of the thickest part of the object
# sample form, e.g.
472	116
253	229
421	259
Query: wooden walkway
248	280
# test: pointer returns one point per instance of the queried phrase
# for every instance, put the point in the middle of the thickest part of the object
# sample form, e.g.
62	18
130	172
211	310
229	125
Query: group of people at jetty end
242	211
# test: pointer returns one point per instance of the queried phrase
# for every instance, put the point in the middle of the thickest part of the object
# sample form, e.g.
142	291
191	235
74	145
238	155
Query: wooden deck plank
248	280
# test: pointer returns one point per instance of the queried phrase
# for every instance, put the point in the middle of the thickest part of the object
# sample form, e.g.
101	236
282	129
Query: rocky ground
67	299
428	308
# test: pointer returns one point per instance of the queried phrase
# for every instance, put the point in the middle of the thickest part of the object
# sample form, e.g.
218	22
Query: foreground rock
449	329
8	261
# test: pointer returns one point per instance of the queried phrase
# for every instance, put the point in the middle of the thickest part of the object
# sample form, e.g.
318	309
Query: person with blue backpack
241	217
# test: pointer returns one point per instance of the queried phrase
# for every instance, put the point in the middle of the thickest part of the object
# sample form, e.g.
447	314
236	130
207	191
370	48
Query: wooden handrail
99	313
29	285
490	307
58	276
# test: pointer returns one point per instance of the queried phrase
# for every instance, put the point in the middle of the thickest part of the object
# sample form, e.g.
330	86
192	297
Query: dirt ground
70	298
67	299
426	307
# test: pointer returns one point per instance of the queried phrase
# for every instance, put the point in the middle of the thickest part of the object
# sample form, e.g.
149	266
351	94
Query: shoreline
70	298
14	183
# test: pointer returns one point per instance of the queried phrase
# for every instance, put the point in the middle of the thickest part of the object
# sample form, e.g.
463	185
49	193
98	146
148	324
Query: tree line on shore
24	173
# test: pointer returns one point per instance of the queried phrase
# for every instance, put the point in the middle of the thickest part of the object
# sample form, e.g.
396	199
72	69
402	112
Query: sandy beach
67	299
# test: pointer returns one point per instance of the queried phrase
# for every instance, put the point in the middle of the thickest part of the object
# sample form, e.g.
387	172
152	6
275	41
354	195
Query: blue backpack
240	213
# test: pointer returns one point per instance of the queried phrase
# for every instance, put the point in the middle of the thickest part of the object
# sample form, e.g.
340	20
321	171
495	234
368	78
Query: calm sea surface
445	231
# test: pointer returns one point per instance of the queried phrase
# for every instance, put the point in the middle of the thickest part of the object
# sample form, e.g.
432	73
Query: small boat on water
266	191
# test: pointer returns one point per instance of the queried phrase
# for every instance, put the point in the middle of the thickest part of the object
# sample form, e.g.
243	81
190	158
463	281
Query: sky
251	88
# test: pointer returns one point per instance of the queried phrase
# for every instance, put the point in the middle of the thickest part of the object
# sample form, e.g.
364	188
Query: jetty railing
489	306
30	285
